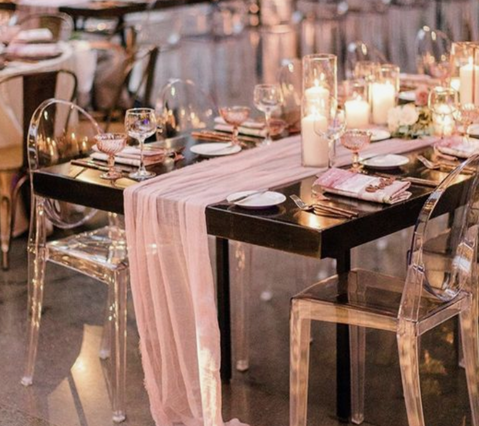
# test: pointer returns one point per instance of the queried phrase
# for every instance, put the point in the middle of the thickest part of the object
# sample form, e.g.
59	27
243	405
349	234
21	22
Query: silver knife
244	197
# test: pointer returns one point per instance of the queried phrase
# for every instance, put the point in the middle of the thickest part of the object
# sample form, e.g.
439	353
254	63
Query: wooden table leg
223	300
343	372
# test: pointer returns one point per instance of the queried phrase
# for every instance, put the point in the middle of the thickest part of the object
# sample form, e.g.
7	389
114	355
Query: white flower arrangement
408	121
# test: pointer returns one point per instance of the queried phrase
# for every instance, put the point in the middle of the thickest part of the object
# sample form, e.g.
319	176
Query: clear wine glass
443	103
466	114
141	123
355	140
331	127
111	144
235	116
267	98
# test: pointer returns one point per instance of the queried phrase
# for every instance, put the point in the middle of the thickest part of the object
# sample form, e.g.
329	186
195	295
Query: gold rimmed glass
355	140
235	116
111	144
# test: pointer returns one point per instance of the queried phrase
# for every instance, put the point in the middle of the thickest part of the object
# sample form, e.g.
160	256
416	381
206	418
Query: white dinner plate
215	149
379	135
258	201
408	96
388	161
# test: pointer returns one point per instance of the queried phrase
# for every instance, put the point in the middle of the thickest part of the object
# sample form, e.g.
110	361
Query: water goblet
466	114
235	116
267	98
140	124
331	128
111	144
443	103
355	140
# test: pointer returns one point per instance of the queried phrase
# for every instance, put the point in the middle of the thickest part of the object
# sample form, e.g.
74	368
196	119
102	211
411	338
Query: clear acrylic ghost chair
433	48
290	79
437	288
185	107
60	131
358	51
36	88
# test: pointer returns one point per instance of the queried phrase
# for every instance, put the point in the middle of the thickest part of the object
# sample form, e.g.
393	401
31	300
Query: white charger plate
258	201
215	149
408	96
388	161
379	135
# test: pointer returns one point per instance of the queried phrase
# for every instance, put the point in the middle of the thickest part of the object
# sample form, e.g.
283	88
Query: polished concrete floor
71	389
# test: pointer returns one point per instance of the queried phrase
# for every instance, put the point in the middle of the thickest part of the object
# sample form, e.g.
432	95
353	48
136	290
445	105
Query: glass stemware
442	102
466	114
235	116
267	98
355	140
111	144
331	128
140	124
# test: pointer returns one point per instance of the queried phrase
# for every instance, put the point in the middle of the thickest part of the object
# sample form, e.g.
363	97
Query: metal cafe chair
37	87
440	284
60	131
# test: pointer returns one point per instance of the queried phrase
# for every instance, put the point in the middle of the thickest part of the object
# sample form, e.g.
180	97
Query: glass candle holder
443	104
384	92
356	105
465	71
319	87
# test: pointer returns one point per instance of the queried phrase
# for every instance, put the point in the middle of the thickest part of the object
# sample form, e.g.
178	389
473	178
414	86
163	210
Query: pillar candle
383	98
315	148
317	95
357	113
443	121
469	81
456	83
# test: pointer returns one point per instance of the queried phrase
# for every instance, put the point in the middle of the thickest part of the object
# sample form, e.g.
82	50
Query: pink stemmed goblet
111	144
235	116
356	140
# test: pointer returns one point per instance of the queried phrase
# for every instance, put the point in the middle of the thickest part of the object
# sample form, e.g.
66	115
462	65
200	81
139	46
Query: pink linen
172	281
458	146
350	184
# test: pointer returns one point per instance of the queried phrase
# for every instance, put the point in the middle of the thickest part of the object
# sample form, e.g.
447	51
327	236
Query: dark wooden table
282	228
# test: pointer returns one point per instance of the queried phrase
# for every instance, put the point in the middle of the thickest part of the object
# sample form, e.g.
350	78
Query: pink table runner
171	277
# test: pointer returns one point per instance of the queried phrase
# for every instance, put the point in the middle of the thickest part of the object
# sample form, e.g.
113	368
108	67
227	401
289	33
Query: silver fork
318	208
428	163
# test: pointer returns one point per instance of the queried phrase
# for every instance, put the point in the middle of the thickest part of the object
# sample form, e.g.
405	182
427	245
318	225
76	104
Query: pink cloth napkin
356	185
131	156
171	277
458	146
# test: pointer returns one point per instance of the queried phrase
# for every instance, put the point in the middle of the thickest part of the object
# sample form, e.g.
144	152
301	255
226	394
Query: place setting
111	154
234	129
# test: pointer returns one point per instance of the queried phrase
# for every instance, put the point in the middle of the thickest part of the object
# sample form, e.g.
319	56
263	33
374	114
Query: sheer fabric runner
171	277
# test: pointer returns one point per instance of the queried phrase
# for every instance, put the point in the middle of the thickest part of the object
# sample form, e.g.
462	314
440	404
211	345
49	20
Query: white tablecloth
11	93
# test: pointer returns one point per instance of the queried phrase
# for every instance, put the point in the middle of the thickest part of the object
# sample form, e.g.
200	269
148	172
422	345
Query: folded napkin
34	35
34	51
458	146
249	127
131	156
364	187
